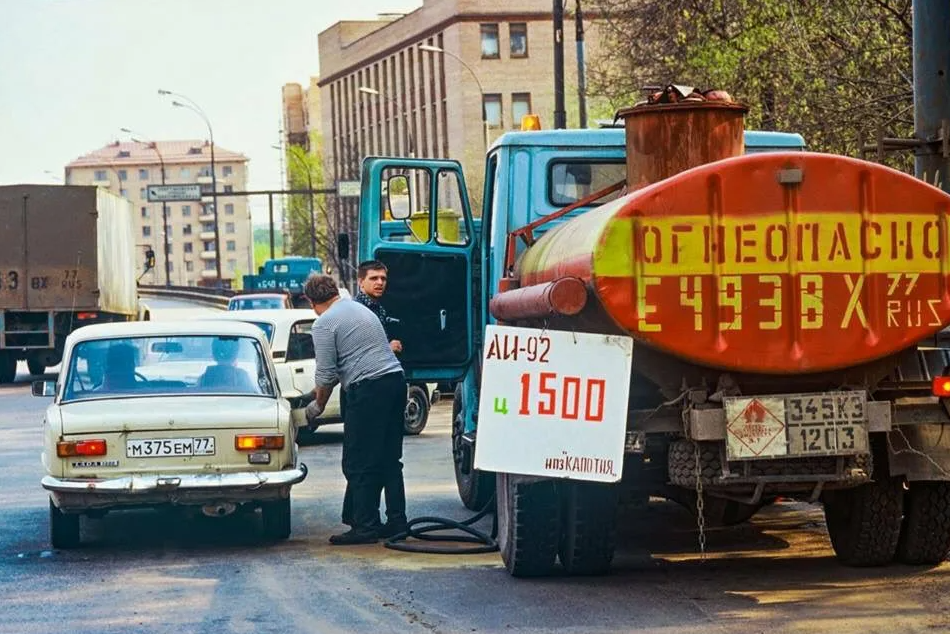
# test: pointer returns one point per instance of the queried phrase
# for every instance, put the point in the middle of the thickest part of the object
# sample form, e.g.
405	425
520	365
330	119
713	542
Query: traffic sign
348	189
172	193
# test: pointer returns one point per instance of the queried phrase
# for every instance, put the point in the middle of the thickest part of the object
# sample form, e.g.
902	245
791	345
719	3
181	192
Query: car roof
259	296
164	328
272	315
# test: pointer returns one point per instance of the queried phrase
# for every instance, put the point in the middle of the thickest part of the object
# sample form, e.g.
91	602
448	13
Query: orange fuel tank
768	263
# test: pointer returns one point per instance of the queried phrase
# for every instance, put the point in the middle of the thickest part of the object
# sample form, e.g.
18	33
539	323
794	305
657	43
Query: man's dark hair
370	265
320	288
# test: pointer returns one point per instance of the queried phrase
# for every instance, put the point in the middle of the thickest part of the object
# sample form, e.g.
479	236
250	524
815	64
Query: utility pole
931	20
560	116
581	74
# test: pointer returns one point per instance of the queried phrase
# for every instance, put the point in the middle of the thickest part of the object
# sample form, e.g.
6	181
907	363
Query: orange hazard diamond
754	424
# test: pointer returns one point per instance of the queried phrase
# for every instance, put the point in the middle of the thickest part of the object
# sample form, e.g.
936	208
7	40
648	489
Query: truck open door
415	218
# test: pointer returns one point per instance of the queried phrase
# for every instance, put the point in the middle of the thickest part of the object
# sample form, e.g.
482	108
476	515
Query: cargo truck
680	309
287	275
67	259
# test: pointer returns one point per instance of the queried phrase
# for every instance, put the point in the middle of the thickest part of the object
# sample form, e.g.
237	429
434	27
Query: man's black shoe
389	529
354	536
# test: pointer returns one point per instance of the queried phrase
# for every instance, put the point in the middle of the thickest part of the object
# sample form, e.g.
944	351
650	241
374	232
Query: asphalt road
146	571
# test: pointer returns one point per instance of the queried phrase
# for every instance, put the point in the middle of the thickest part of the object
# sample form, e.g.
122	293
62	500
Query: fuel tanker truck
684	309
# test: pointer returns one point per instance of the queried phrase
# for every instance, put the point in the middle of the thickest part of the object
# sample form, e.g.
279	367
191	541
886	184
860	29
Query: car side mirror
43	388
343	246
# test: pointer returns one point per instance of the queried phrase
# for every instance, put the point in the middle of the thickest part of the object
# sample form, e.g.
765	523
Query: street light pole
313	218
481	91
161	161
214	182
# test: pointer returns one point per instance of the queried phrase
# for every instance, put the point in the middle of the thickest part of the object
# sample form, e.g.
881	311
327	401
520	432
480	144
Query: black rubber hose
431	524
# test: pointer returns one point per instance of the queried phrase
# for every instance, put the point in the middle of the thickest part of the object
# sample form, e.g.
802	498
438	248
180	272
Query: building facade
441	82
129	167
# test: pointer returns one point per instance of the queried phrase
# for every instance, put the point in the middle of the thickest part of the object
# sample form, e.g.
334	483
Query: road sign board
172	193
349	189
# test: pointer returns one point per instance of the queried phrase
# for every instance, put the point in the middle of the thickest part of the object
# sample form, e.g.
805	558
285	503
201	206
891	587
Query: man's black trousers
372	450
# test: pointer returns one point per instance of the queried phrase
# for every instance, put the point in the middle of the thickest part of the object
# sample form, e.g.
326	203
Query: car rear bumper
145	490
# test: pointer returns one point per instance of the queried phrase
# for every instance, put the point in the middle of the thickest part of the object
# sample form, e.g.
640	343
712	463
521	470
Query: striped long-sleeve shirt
350	345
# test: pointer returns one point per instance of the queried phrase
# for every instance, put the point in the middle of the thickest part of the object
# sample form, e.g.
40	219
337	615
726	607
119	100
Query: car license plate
830	423
169	447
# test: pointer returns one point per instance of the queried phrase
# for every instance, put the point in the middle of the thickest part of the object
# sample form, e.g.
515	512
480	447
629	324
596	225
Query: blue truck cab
445	263
283	274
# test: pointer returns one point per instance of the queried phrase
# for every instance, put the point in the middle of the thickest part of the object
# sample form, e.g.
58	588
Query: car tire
417	411
588	527
7	367
925	533
275	518
864	523
63	528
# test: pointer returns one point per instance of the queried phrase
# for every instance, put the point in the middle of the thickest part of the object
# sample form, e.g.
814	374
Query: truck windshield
177	365
570	181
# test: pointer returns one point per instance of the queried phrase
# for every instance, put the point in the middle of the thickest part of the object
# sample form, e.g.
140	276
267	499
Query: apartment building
129	167
443	81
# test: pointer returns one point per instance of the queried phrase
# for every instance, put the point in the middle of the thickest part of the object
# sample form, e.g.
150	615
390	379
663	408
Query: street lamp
409	140
191	105
161	160
313	218
435	49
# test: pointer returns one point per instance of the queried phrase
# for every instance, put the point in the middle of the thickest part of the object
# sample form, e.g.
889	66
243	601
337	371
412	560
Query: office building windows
491	110
518	38
489	41
143	174
520	106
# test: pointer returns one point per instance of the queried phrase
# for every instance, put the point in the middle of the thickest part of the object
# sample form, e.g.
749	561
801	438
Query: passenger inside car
225	375
119	371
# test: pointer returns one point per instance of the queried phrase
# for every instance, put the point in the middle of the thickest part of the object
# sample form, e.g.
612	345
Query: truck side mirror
343	246
398	197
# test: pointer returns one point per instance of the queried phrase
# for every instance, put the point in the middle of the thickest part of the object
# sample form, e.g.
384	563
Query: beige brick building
429	83
129	167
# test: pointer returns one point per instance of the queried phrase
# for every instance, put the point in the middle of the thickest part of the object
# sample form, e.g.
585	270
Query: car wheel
63	528
275	517
417	410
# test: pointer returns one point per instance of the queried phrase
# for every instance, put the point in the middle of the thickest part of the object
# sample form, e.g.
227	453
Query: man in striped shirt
352	349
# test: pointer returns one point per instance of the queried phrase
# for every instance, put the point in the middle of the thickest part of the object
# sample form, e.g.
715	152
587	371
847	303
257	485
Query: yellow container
448	225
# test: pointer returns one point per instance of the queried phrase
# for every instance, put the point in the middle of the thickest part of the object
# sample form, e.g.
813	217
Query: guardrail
216	297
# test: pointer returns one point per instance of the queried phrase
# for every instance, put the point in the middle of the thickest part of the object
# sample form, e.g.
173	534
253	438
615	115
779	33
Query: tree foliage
831	71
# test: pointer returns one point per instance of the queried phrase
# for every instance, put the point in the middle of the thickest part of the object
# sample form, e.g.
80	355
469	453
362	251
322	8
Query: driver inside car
225	375
119	371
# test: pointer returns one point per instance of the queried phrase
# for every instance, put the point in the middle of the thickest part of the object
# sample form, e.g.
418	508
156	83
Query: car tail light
941	386
259	441
81	448
85	316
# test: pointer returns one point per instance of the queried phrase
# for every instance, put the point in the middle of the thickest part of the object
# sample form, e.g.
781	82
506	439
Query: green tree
832	71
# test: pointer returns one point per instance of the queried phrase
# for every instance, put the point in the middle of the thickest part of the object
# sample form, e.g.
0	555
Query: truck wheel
865	522
475	487
275	518
63	528
417	410
7	367
925	534
36	367
588	527
528	525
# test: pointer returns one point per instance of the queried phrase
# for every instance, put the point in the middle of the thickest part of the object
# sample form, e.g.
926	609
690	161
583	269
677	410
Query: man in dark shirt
373	278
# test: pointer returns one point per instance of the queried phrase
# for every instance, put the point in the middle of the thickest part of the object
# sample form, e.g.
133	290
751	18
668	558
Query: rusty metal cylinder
666	139
565	296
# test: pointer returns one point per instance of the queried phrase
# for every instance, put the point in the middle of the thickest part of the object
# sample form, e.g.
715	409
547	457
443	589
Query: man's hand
395	345
313	410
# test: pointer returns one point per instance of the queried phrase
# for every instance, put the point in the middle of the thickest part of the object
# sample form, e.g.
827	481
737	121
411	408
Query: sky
73	72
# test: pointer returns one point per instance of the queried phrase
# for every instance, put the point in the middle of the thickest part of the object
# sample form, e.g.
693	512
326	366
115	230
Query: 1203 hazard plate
794	425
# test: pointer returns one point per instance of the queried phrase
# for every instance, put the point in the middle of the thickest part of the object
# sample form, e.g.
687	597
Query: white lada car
291	344
154	413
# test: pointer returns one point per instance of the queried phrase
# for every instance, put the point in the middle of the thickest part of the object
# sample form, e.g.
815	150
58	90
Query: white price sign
553	403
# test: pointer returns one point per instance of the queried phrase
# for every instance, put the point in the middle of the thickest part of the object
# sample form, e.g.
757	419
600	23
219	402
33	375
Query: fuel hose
423	529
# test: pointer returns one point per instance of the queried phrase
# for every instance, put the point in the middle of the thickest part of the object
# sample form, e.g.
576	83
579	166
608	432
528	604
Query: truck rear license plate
822	424
169	447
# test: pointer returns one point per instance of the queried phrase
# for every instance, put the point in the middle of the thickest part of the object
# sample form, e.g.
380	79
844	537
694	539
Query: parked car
258	301
177	412
288	333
